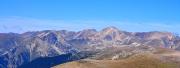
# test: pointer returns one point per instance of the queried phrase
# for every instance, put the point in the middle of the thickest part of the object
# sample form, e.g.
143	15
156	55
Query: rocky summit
89	48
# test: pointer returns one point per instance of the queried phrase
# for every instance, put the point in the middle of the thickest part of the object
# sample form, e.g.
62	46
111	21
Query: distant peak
111	28
92	30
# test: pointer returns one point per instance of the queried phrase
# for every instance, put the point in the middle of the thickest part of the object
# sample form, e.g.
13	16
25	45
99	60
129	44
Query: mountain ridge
28	46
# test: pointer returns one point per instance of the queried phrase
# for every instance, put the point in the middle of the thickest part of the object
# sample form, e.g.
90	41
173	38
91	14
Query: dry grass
137	61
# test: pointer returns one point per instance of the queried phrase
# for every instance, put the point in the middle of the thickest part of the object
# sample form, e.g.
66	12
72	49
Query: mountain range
49	48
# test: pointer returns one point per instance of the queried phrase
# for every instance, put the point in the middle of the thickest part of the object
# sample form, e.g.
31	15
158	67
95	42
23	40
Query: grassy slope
138	61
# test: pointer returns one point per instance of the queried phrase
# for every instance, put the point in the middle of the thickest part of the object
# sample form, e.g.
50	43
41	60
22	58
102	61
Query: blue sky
130	15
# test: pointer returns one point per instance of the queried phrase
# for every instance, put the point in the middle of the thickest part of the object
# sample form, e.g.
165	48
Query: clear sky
129	15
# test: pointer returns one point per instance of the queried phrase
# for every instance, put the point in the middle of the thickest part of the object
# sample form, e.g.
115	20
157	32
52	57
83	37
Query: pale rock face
115	57
110	33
